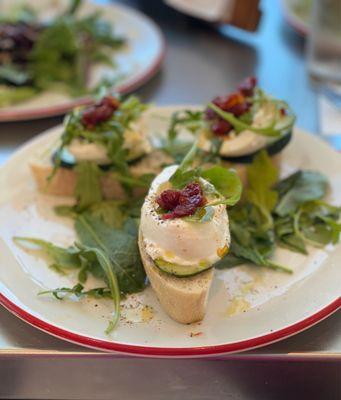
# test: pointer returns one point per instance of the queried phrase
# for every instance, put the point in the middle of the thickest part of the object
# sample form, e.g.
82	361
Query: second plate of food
42	76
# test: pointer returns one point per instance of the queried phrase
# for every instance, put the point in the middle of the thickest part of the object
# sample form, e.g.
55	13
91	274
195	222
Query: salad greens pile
106	248
289	213
57	55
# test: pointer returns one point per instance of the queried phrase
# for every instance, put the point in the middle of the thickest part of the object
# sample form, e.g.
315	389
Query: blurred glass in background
324	44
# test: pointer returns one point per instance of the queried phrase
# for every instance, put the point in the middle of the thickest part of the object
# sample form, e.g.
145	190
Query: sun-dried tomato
181	203
235	103
221	127
168	199
99	112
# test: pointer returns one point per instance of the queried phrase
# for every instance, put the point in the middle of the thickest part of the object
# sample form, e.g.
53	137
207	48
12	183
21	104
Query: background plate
136	63
248	306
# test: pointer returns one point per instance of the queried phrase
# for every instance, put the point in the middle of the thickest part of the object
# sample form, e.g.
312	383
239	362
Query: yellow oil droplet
169	254
147	313
247	288
237	306
222	251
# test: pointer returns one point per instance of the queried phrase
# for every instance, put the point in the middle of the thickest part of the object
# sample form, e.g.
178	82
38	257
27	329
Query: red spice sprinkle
181	203
99	112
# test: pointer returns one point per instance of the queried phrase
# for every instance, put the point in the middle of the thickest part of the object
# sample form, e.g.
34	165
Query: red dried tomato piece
247	86
99	112
181	203
168	199
234	103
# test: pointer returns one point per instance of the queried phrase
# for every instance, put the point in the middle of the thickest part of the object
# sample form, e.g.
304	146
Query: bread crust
64	180
183	299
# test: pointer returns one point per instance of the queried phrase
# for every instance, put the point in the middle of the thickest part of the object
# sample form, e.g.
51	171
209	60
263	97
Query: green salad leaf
188	119
107	248
299	188
84	258
288	213
78	291
88	184
120	246
183	173
62	259
226	182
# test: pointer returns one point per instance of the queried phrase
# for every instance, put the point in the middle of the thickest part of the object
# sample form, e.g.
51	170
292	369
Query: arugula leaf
226	182
299	188
188	119
88	186
119	245
275	128
63	259
183	175
78	291
89	258
94	253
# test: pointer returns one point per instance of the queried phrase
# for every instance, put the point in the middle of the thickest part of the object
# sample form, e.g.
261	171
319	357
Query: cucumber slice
181	271
272	149
68	161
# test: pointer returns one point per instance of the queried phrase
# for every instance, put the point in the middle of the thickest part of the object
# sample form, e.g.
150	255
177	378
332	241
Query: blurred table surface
201	62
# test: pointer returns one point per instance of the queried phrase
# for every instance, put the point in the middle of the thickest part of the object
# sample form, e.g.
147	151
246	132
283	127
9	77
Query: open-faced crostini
184	231
104	142
233	128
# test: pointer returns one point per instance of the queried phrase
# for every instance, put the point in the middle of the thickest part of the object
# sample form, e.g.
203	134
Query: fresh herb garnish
226	183
288	213
299	188
275	128
107	249
85	258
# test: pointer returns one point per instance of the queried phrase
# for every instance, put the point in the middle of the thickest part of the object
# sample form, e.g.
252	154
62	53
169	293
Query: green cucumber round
67	161
272	149
180	271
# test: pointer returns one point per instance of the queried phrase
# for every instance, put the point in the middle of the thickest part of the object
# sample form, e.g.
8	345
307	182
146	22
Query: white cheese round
135	141
179	241
245	142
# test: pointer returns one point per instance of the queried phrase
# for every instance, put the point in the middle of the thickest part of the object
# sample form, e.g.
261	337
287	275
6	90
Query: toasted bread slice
64	181
184	299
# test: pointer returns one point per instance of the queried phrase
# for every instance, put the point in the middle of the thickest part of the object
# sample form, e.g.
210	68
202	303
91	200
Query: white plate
248	306
136	63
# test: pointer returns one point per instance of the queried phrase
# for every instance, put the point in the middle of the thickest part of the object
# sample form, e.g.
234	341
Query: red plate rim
139	80
148	351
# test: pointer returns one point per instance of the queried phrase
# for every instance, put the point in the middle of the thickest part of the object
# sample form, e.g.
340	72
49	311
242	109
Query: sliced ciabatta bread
63	182
184	299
